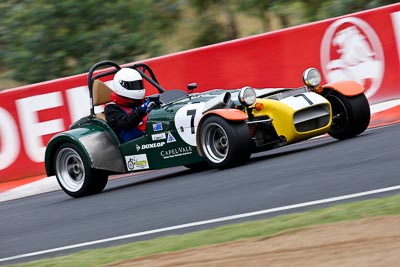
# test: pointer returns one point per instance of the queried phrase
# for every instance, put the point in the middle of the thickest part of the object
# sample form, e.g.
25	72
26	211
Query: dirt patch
369	242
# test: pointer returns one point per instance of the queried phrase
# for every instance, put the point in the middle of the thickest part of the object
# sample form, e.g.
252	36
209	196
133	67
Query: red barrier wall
363	46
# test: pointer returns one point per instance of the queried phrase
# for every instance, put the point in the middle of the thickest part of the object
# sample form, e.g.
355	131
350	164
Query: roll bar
114	68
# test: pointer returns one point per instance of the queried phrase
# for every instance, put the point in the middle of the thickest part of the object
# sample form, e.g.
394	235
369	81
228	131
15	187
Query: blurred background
42	40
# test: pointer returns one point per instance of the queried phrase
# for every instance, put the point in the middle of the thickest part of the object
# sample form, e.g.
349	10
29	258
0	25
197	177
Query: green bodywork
161	146
168	151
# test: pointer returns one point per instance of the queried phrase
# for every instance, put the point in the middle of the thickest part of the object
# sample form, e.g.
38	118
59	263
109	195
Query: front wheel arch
347	88
233	115
52	148
74	172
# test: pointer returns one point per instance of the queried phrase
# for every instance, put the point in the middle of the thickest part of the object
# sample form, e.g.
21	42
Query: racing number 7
192	113
305	98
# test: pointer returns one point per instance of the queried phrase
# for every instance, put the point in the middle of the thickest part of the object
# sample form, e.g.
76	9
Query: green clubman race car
218	128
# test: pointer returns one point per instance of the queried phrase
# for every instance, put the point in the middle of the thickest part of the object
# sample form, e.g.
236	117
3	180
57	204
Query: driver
128	113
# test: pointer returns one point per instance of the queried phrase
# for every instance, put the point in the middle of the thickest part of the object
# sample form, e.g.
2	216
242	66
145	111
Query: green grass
259	228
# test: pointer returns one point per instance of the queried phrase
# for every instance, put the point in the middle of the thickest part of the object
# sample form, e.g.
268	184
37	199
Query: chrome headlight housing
311	77
247	96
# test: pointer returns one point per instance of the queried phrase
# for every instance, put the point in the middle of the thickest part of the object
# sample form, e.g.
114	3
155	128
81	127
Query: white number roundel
186	120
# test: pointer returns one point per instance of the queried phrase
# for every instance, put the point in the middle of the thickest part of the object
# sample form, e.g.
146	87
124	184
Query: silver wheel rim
215	143
70	169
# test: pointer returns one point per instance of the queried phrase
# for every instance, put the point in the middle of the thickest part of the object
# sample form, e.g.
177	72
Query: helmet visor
132	85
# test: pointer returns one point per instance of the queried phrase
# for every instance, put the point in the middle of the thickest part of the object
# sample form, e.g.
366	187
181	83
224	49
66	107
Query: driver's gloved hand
150	106
143	107
147	106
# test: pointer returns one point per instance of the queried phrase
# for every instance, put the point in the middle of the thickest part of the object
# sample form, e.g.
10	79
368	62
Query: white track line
375	108
222	219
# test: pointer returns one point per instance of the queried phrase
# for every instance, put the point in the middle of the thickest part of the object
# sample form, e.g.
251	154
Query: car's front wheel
74	174
223	143
350	115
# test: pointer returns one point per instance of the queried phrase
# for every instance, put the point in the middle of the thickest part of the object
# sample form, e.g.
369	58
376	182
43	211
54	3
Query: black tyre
223	143
350	115
197	167
74	174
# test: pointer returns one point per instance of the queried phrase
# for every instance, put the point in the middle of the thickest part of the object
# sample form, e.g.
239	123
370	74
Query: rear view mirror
191	86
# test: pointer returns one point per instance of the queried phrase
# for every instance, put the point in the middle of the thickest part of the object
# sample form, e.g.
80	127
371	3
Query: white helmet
128	83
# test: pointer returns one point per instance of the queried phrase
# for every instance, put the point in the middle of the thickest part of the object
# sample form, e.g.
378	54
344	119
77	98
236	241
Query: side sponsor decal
160	136
136	162
170	138
157	127
147	146
176	152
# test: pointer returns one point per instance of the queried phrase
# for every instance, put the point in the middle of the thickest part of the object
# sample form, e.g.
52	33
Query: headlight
247	96
311	77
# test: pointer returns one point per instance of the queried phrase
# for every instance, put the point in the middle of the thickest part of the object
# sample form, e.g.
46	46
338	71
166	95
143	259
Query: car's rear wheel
74	174
223	143
350	115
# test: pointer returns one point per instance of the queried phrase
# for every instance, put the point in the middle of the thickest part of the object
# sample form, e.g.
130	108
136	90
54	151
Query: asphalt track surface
313	170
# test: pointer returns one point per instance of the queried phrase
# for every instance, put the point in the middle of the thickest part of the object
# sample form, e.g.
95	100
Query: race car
217	128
